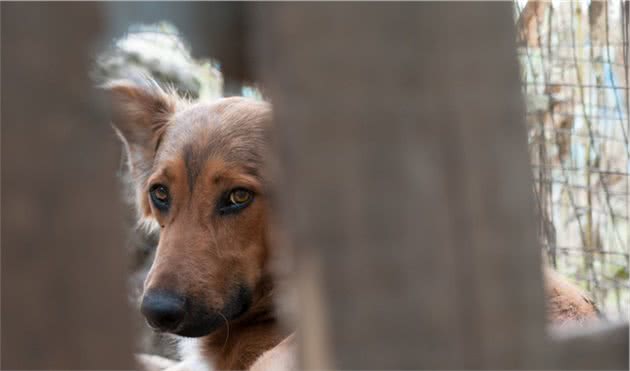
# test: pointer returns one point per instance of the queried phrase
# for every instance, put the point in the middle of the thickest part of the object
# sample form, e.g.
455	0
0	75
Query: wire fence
574	59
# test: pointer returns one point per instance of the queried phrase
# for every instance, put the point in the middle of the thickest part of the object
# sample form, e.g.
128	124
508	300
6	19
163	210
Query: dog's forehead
232	130
228	122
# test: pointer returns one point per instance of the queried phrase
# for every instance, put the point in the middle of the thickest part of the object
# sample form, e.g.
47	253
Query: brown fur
566	303
200	151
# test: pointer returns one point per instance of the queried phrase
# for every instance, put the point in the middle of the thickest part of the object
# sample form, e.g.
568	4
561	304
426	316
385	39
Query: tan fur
281	358
566	302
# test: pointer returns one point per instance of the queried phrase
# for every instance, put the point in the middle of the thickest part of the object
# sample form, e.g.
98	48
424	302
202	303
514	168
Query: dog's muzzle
169	312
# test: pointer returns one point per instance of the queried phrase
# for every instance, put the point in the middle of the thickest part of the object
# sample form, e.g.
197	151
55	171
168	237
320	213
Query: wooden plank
404	174
598	346
64	302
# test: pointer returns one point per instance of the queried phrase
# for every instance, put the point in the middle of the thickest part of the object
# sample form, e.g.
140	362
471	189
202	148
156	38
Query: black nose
163	310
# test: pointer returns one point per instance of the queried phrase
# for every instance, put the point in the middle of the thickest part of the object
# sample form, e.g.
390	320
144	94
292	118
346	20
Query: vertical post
404	175
64	302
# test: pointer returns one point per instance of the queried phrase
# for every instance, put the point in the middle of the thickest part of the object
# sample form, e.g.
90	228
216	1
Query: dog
200	176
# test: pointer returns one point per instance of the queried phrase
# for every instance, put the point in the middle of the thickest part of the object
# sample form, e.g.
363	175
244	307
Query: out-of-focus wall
63	263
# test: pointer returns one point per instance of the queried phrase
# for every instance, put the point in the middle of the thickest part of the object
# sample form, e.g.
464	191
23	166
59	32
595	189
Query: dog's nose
163	310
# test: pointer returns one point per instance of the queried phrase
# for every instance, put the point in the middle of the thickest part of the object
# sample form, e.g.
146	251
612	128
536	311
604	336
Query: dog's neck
238	344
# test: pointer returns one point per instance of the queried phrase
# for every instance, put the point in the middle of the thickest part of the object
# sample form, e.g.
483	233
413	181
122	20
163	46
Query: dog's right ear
141	111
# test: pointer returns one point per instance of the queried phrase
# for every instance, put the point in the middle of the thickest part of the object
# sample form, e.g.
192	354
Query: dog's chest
190	353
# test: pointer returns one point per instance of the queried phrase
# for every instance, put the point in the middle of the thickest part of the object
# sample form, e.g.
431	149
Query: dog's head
198	174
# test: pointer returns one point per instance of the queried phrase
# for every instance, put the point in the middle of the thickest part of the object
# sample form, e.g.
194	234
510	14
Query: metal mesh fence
574	59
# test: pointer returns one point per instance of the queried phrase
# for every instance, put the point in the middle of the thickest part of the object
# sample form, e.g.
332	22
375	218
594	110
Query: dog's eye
160	196
236	200
240	196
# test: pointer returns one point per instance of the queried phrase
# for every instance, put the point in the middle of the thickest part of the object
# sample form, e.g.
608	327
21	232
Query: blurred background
574	63
574	71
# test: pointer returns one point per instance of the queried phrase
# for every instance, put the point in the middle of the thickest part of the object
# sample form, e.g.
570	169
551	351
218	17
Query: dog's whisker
227	325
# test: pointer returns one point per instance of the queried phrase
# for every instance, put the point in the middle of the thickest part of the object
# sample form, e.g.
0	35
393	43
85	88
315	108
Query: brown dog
200	177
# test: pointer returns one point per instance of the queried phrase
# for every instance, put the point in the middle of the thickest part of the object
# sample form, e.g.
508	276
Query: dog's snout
163	310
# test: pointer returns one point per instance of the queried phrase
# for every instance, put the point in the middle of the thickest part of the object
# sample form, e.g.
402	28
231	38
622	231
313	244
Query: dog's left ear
141	112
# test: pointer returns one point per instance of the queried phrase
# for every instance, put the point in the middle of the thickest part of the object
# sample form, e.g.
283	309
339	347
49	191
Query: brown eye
160	197
161	193
235	201
240	196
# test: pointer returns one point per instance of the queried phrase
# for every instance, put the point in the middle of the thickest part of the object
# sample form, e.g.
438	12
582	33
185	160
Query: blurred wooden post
64	302
600	346
405	183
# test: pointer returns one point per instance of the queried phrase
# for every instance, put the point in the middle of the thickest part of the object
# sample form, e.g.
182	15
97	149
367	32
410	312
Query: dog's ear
141	111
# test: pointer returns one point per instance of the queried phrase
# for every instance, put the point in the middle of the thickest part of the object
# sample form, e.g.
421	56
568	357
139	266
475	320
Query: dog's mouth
202	322
194	319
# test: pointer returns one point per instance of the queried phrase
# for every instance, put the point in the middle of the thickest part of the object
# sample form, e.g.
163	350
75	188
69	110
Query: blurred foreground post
405	185
63	266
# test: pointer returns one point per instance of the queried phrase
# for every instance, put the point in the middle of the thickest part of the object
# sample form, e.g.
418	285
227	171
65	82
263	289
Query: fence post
600	346
405	176
64	302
